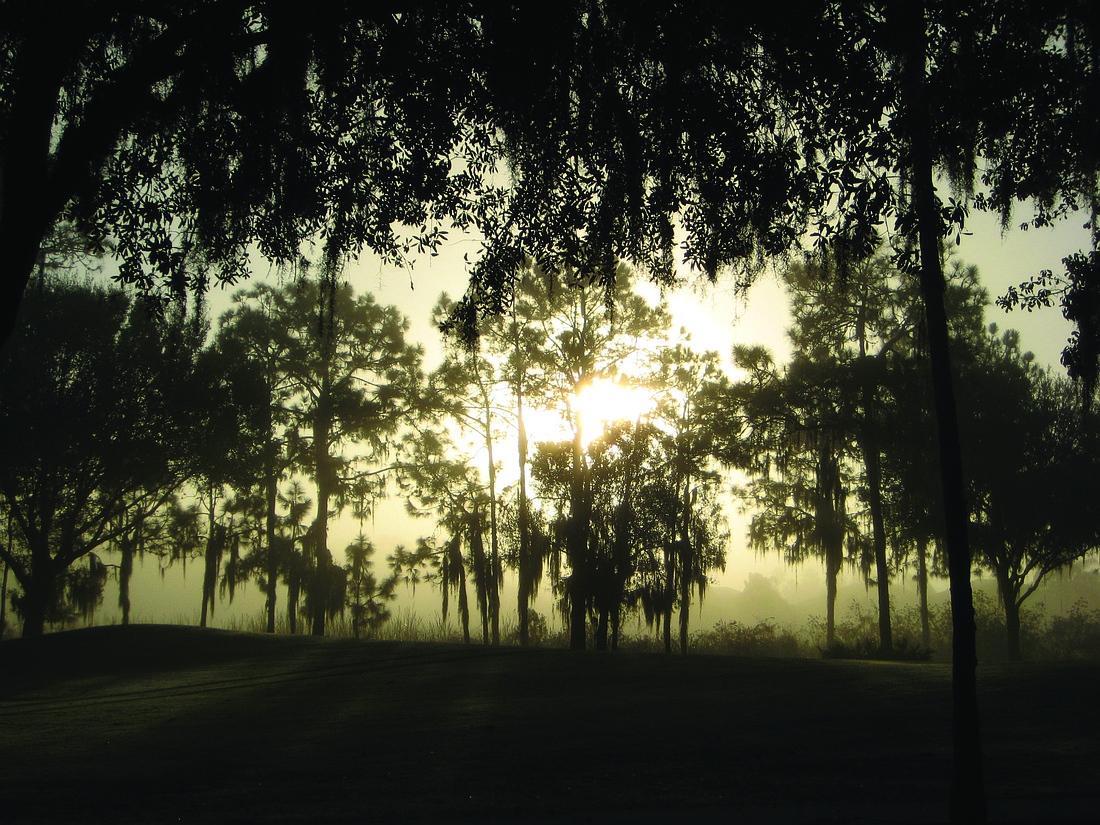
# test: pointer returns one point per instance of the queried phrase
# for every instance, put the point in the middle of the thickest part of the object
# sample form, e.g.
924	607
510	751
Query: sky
717	318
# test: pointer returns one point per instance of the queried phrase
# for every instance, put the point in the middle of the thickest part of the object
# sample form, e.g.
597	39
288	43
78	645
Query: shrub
735	639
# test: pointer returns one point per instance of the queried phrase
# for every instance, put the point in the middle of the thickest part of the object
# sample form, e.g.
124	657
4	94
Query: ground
151	724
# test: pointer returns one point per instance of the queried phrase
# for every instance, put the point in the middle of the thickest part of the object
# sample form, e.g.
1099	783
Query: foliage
66	477
339	381
366	597
869	647
1044	637
1032	470
732	638
187	132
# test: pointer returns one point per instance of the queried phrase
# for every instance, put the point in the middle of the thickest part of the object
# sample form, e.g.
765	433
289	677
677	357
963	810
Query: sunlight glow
598	403
603	401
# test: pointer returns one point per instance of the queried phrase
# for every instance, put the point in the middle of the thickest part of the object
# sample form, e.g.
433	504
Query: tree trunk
922	590
26	211
967	802
878	528
319	585
524	561
524	537
464	610
686	567
685	595
669	594
293	592
666	628
1010	599
4	598
832	570
37	592
212	561
125	571
494	548
1012	626
602	624
271	490
579	579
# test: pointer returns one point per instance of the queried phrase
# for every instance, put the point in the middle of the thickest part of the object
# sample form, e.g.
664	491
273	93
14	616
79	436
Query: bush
868	648
736	639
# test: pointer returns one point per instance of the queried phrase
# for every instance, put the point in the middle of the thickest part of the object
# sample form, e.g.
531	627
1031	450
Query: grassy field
175	724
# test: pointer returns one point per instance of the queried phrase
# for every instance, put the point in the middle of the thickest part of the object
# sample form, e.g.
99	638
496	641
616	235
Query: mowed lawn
151	724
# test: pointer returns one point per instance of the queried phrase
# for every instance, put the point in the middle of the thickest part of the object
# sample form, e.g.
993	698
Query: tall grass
1074	636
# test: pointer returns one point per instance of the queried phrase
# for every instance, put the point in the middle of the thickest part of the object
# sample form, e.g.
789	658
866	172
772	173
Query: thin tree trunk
4	599
968	803
579	579
832	570
524	531
293	592
319	588
1012	627
464	609
878	528
271	489
524	562
494	552
212	561
686	568
666	628
482	577
922	590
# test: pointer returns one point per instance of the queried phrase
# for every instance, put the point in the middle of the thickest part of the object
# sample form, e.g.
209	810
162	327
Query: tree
1031	463
185	132
791	430
366	596
252	348
588	333
440	483
687	380
470	389
350	381
513	339
67	479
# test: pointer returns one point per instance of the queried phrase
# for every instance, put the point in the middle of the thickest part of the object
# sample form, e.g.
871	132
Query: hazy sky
717	319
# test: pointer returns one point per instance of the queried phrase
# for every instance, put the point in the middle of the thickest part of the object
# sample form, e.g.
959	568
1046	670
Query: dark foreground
171	724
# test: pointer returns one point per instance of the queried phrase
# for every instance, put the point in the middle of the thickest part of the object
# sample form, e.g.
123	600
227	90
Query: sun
603	401
598	403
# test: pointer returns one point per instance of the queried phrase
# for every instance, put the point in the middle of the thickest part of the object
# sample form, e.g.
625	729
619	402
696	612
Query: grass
1072	637
218	727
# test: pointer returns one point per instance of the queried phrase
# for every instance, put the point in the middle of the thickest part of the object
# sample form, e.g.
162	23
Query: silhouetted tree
439	483
514	341
252	347
470	390
1031	463
790	428
349	380
366	596
685	380
97	392
191	131
587	333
